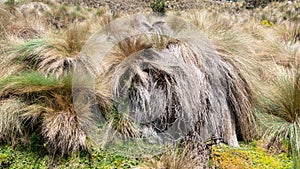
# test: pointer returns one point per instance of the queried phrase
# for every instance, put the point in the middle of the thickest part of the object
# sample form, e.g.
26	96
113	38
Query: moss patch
248	156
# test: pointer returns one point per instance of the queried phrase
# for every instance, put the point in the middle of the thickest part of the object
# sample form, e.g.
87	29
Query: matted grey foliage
166	81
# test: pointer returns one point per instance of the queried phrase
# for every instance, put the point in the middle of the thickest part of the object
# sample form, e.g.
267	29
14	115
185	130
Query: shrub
158	6
259	3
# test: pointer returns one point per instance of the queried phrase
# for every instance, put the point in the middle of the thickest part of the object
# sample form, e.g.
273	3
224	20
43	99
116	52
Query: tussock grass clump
63	132
46	105
56	56
281	102
46	56
44	83
163	82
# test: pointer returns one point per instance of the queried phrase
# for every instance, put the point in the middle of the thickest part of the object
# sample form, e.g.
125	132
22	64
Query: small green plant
158	6
4	160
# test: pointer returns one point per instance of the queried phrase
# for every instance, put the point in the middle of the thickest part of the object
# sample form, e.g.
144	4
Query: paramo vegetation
238	83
